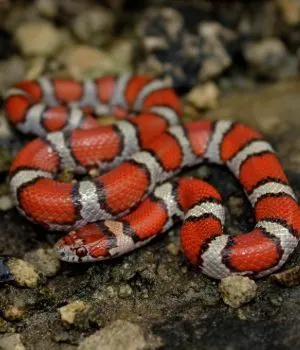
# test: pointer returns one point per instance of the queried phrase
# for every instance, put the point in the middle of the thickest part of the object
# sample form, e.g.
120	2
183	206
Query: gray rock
85	62
12	70
94	26
171	50
269	58
11	342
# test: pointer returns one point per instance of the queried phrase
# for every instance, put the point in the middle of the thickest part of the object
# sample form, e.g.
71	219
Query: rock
4	327
173	248
11	71
13	313
171	50
288	278
204	96
214	38
84	62
6	202
122	52
69	311
23	273
120	335
47	8
11	342
269	58
35	67
125	291
38	38
237	290
44	260
290	10
236	205
94	26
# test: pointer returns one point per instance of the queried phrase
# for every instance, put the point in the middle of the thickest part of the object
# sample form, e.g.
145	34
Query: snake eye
81	251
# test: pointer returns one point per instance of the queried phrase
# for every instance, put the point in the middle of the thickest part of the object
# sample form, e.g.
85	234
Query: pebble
237	290
44	260
35	68
125	291
214	38
94	26
204	96
171	50
173	248
47	8
236	205
122	51
290	10
84	62
13	313
69	311
11	71
23	273
38	38
11	342
120	335
288	278
6	202
269	58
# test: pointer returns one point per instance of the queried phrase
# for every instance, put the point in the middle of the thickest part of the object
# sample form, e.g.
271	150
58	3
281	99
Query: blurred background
235	44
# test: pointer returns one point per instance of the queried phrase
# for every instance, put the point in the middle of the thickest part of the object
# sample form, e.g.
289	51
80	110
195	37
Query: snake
135	192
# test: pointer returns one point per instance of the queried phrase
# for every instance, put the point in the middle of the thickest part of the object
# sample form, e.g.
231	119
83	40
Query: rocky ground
229	60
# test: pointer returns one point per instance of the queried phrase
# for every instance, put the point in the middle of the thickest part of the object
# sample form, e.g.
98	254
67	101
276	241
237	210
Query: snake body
132	200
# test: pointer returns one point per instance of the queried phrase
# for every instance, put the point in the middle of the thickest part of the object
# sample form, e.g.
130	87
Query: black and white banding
67	162
48	91
88	202
118	99
188	156
130	144
33	121
23	177
217	210
165	193
156	172
212	259
167	113
213	152
288	242
270	188
254	148
152	86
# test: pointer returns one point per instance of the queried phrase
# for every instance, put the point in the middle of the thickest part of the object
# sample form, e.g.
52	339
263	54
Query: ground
175	305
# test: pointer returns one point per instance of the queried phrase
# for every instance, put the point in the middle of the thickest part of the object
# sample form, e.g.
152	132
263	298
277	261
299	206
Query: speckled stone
69	311
120	335
23	273
46	38
237	290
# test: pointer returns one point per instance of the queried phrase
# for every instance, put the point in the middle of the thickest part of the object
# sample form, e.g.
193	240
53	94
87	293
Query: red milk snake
130	202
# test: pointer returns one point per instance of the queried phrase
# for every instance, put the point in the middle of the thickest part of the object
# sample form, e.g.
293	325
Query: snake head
87	244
